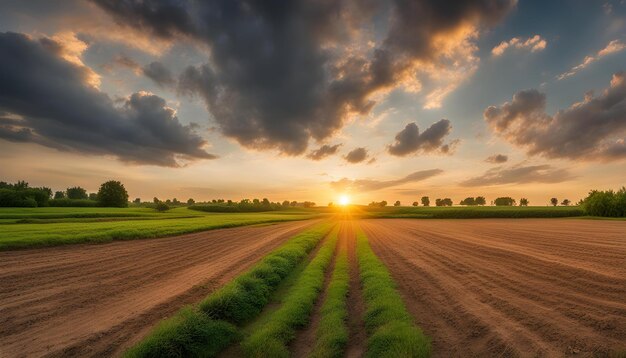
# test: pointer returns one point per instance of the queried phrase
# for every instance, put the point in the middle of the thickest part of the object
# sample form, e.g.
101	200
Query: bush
19	196
161	206
113	194
77	193
504	201
606	203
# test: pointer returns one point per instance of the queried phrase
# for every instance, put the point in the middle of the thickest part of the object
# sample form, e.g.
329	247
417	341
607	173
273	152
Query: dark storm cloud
323	151
160	74
520	175
54	105
361	185
497	159
282	73
409	140
593	129
356	155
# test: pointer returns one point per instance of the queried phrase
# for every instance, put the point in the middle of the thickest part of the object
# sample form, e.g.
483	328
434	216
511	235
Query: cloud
363	185
323	151
612	47
279	77
409	140
593	129
356	155
534	44
545	174
160	74
52	102
497	159
155	71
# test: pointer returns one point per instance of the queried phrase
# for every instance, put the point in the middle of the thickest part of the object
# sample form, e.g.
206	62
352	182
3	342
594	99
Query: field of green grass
471	212
34	227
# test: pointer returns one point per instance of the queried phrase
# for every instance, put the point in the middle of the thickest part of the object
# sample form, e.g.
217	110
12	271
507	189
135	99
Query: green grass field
470	212
33	227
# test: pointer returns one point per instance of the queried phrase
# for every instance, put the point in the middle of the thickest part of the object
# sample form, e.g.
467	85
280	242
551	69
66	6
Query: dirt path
94	300
529	287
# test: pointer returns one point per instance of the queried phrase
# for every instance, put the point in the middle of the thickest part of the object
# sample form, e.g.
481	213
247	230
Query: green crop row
390	328
332	332
213	325
271	339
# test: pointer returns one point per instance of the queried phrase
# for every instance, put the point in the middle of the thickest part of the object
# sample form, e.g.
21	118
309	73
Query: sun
344	200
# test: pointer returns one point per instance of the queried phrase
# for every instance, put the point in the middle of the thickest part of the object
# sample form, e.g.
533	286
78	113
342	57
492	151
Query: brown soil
520	287
95	300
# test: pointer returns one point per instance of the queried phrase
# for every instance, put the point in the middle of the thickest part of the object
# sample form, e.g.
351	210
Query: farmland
34	227
322	285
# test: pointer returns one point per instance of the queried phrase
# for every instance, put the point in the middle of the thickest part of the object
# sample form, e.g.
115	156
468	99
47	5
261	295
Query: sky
310	100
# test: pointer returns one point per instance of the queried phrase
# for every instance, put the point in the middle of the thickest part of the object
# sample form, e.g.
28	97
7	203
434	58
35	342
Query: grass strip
332	332
390	328
271	339
211	326
17	236
474	212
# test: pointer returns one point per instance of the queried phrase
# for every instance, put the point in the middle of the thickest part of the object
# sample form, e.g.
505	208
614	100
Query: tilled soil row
529	287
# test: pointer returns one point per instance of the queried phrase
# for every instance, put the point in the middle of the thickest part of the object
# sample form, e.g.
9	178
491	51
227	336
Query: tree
294	203
383	203
443	202
77	193
425	201
554	201
175	201
565	202
523	202
480	200
504	201
93	196
59	195
308	204
156	200
113	194
161	206
137	201
285	203
397	203
415	203
190	201
468	201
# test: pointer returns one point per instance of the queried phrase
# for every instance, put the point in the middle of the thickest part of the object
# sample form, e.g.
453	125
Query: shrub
161	206
606	203
76	193
504	201
113	194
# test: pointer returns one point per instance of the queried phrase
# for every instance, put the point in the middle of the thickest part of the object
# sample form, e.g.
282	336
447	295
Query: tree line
471	201
20	194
